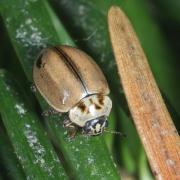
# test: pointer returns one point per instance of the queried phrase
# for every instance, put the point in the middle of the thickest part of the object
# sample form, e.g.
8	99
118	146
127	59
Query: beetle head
95	126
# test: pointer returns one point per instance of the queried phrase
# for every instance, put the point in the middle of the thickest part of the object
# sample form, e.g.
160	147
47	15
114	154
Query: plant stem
152	120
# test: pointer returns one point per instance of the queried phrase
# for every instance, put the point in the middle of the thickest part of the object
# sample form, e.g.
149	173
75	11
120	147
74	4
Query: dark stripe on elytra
96	105
71	66
39	61
82	107
101	99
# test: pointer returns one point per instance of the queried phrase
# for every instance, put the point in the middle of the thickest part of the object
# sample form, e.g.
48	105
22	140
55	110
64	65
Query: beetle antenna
115	132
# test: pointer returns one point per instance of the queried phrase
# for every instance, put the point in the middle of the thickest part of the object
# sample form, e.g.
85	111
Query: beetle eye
86	130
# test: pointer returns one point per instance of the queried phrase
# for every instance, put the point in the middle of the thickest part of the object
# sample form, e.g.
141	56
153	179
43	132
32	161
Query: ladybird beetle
70	81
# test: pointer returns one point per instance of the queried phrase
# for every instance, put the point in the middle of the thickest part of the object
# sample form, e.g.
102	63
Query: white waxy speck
90	160
94	171
7	88
27	2
29	34
8	20
37	148
42	161
81	10
66	95
76	149
115	165
108	172
68	43
27	125
2	75
20	109
77	166
28	21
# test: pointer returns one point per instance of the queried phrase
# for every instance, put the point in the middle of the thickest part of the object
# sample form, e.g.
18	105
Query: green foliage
8	160
28	138
32	25
29	32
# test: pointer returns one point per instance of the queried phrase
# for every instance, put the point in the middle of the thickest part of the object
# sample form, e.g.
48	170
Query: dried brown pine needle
151	117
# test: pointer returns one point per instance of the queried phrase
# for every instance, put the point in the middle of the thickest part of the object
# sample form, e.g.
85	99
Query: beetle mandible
70	81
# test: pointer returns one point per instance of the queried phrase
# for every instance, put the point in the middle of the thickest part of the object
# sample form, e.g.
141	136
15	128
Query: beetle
70	81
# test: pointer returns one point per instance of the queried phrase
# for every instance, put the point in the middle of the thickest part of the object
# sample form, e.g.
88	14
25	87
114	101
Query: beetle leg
72	133
71	128
67	123
50	112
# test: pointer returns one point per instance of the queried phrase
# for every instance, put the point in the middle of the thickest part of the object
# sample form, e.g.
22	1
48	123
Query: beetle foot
50	112
72	133
67	124
71	128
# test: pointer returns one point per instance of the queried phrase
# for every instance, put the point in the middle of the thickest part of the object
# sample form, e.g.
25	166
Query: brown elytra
64	75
